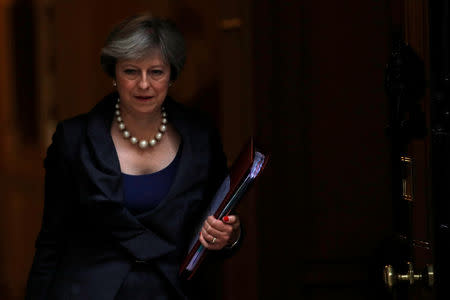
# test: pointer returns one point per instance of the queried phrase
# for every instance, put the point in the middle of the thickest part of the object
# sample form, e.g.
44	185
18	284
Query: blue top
144	192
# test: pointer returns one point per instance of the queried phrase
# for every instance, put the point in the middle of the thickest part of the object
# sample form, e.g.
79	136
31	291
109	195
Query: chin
147	108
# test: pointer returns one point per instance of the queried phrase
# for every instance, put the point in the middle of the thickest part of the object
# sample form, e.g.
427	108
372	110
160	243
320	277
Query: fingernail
226	219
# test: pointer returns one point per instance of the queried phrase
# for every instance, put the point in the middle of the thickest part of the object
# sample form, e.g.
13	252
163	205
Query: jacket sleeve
50	241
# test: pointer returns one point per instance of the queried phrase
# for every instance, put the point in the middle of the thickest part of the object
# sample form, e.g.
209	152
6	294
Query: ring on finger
213	240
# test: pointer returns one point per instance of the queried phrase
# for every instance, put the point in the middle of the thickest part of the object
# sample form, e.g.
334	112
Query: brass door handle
391	278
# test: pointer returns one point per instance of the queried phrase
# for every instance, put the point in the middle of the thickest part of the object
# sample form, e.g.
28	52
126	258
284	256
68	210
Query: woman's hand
217	234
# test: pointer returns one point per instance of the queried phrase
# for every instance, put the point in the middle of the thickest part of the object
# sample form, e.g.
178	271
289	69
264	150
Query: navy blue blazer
89	241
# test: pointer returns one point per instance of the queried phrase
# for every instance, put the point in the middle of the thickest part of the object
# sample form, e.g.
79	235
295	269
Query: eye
157	72
130	71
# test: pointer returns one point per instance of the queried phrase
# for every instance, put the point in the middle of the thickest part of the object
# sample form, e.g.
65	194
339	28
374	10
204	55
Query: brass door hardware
407	170
391	278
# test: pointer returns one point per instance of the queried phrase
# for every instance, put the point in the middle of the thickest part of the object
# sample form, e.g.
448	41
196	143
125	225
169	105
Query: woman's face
143	83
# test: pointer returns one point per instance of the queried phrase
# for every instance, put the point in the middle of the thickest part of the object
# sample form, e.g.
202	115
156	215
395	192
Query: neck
142	125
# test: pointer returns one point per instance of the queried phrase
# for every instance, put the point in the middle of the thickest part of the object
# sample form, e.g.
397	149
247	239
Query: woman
127	183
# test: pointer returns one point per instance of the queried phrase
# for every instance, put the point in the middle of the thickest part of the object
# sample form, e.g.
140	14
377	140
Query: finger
213	236
210	230
210	246
203	241
211	223
232	220
218	225
229	219
208	237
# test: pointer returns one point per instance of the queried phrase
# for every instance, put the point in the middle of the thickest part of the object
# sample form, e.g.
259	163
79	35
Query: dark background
306	78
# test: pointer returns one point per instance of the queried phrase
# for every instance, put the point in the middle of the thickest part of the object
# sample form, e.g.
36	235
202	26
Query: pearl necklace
133	140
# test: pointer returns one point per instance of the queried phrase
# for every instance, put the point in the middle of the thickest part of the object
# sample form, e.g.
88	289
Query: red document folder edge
238	171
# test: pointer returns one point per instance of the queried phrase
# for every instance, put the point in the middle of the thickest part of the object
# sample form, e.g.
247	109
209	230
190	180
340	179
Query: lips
143	98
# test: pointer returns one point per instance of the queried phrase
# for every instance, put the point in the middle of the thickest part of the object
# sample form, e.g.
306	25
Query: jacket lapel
185	171
103	190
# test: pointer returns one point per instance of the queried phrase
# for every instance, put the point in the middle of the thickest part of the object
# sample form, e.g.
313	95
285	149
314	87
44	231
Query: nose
144	81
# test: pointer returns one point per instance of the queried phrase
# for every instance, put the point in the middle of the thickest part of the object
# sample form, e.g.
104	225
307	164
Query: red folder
245	169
